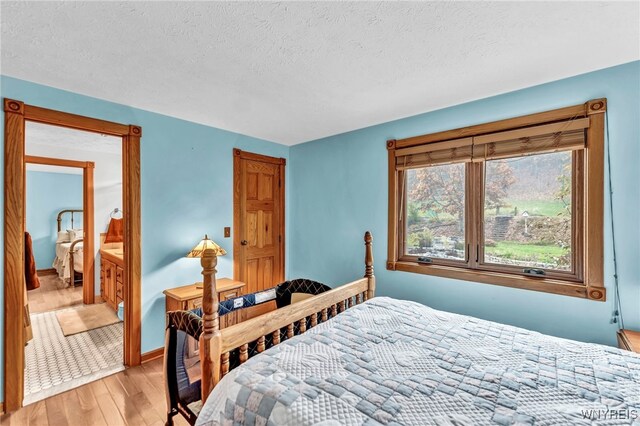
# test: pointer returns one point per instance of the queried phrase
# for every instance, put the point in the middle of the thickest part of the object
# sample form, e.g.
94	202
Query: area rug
85	318
55	363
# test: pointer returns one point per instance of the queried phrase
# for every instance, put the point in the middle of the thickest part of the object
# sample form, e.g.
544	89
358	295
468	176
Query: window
434	225
517	202
528	212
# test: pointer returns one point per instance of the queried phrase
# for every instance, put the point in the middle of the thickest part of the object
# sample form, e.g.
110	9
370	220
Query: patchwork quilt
394	362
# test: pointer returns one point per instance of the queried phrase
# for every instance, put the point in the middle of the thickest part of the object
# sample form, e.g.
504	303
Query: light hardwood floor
53	294
134	396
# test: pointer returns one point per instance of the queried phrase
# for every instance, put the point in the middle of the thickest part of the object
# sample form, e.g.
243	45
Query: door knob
244	242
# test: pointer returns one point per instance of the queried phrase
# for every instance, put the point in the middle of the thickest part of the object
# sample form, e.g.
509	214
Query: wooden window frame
586	279
468	228
578	184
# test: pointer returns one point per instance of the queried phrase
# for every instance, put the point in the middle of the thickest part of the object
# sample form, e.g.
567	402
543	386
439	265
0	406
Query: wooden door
258	240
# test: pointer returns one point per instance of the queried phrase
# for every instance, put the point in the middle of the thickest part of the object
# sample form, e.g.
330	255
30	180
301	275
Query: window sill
546	285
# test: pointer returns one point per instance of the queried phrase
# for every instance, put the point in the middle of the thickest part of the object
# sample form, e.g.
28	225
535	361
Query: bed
386	361
68	262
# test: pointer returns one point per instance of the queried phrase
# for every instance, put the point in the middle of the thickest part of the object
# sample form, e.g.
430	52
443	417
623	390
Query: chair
287	291
181	356
182	390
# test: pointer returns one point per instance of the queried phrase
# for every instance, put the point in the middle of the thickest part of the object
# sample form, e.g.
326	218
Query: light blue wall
339	190
187	174
47	194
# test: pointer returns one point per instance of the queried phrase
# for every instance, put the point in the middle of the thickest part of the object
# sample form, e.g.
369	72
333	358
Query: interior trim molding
89	260
587	276
49	161
238	156
16	113
258	157
151	355
48	271
559	114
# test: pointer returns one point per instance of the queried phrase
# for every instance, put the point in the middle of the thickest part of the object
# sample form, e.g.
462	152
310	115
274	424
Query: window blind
451	151
561	136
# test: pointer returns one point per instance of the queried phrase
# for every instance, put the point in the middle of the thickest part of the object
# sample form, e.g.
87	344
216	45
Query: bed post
368	262
210	339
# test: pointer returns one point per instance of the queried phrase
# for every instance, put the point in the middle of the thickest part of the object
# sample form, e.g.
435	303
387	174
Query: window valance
561	136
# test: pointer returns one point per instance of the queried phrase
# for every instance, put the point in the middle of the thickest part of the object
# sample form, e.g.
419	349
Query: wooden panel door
258	220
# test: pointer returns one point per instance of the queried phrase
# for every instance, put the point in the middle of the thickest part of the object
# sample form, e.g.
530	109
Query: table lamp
199	249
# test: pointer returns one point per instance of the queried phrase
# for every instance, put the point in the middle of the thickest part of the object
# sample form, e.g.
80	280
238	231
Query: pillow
75	234
63	237
115	231
299	297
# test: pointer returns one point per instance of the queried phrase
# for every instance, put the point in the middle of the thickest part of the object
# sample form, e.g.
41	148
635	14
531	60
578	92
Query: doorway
17	114
73	182
71	207
259	222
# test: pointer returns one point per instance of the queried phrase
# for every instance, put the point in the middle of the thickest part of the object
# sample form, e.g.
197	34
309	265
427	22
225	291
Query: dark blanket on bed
30	273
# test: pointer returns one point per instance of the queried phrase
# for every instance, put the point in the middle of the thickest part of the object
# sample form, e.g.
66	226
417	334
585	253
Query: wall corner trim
135	130
597	106
16	107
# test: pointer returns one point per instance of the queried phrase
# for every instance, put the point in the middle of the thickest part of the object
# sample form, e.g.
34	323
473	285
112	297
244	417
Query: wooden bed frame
216	344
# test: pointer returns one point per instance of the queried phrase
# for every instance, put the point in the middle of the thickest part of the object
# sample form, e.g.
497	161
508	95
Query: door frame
15	115
88	239
238	206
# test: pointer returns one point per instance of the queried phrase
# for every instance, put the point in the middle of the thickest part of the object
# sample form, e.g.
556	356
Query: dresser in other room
112	277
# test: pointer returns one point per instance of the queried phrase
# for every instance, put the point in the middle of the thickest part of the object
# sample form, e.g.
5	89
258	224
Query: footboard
216	344
72	270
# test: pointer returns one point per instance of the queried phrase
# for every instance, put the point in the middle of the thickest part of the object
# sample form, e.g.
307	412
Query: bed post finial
368	262
210	339
209	261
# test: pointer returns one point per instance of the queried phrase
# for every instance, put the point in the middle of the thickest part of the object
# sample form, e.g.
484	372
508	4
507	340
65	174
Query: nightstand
189	297
629	340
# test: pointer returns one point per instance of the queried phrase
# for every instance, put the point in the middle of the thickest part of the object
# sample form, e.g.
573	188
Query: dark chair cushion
299	285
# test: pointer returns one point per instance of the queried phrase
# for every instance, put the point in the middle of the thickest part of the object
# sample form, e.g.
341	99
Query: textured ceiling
44	140
39	137
293	72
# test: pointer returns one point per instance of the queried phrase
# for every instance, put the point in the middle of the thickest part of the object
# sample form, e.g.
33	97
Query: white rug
55	363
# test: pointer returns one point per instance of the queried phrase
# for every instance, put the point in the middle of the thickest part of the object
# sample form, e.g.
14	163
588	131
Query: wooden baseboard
151	355
49	271
1	408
